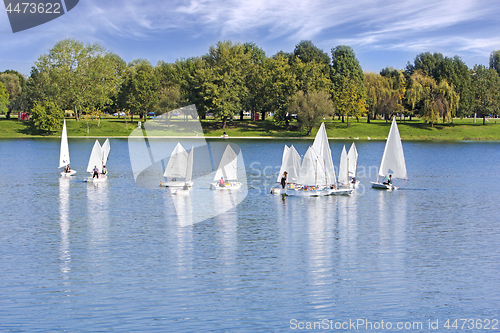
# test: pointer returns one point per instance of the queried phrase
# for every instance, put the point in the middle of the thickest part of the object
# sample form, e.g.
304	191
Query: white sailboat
64	154
105	148
393	160
226	176
95	161
344	169
352	155
179	168
312	181
291	164
317	173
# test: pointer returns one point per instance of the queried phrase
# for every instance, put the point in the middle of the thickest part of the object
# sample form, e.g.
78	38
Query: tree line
307	84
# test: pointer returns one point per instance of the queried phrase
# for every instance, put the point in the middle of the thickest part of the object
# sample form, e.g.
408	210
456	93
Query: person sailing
96	172
222	183
388	180
283	179
103	170
67	169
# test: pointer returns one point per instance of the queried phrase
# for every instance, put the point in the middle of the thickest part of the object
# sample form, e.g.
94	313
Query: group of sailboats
314	174
179	170
97	161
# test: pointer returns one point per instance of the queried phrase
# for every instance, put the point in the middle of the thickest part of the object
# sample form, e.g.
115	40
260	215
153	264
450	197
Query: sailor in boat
353	180
67	169
185	187
388	180
283	179
222	183
103	170
96	172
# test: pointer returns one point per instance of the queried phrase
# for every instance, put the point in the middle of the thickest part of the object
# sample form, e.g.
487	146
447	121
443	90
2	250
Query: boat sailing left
64	155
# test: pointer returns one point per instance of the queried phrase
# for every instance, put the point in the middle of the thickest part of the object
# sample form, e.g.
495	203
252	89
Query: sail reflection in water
98	216
64	224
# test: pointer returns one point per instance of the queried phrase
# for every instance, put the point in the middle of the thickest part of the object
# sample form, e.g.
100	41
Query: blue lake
79	257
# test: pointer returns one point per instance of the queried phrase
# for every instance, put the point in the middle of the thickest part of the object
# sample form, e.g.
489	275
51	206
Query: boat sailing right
393	161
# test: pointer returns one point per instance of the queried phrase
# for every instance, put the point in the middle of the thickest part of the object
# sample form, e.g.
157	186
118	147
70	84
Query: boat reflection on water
98	214
64	225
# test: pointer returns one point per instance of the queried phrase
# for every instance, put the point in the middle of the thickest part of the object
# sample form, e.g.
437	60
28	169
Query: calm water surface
113	257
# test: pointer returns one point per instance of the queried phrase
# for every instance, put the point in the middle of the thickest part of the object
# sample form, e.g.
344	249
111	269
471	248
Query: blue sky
381	32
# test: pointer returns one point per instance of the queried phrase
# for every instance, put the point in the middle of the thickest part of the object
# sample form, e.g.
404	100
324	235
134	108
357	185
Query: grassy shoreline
415	130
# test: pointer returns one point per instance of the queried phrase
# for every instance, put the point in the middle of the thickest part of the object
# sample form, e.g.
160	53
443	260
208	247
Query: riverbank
461	129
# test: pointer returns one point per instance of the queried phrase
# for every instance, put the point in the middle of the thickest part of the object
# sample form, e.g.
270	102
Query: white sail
293	165
312	170
189	169
177	164
322	148
95	159
344	168
393	160
353	160
64	152
228	166
284	160
106	148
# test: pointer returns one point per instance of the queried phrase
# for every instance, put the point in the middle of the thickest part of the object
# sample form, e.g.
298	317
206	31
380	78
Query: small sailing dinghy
64	154
312	181
96	163
291	164
352	156
343	179
179	168
317	173
226	176
393	161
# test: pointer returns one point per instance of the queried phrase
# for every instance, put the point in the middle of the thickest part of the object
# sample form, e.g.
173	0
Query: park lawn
461	129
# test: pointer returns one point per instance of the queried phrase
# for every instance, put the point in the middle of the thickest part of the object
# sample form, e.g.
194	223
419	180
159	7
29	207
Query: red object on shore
23	116
256	116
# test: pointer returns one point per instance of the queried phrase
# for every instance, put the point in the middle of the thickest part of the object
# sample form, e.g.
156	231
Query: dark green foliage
46	117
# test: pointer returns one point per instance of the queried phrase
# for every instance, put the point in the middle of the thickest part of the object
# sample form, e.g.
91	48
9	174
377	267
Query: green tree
12	84
349	93
486	83
254	72
280	83
223	80
311	108
142	89
495	61
432	100
378	92
453	70
77	76
4	99
46	116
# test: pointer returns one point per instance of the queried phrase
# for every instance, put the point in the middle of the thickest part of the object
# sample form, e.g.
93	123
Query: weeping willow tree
433	100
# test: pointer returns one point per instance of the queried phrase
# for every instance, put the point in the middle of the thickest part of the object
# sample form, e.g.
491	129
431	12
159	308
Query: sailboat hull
68	174
341	191
380	186
176	184
308	193
230	186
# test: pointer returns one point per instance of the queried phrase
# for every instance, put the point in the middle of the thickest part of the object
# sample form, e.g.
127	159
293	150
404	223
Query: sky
382	33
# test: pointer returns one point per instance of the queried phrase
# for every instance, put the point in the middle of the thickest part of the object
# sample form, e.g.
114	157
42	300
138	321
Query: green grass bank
461	129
